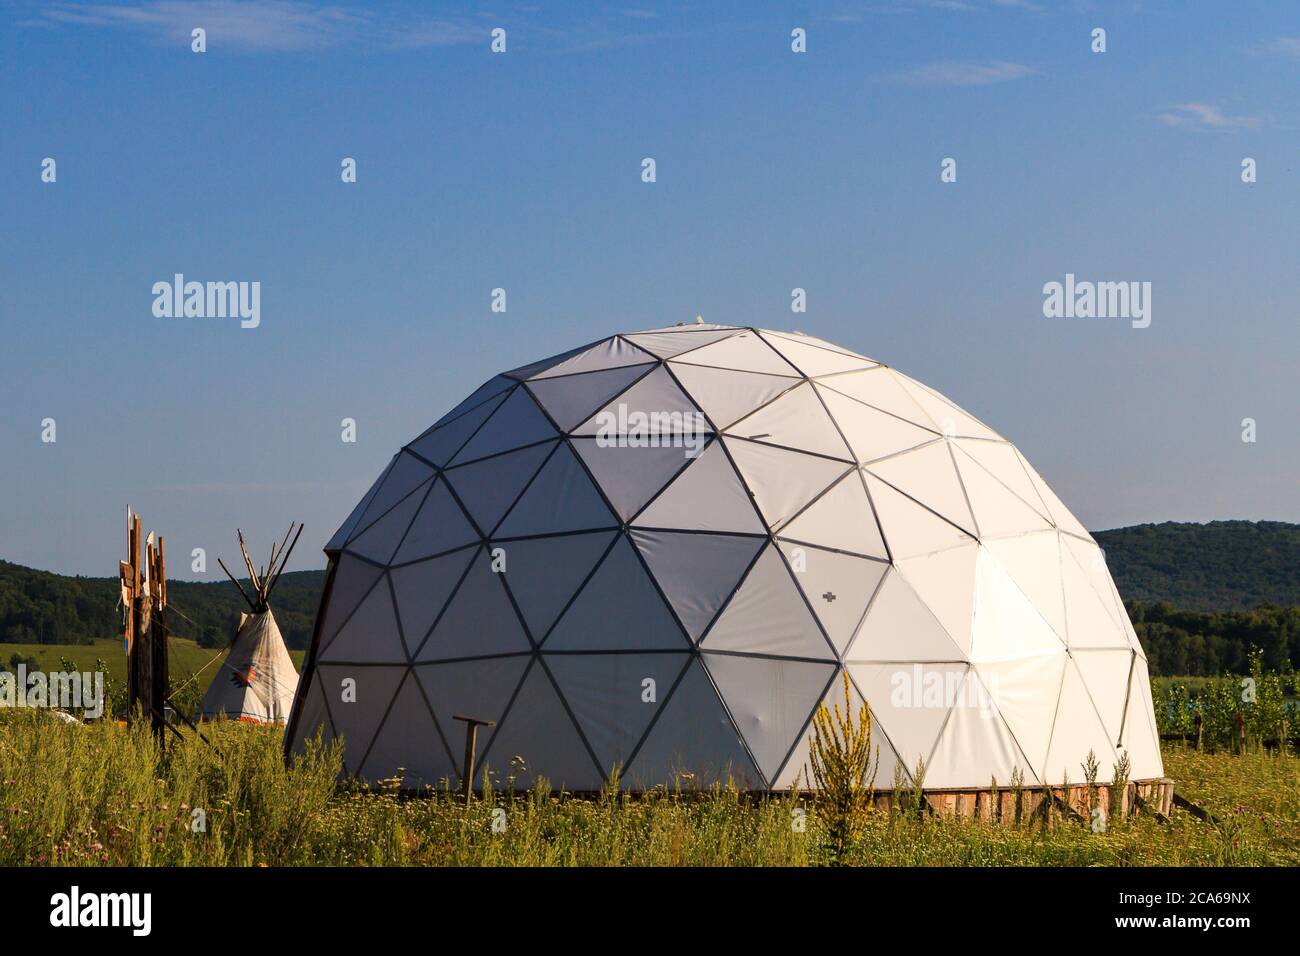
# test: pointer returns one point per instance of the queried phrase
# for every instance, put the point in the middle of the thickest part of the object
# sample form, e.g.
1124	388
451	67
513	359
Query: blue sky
775	170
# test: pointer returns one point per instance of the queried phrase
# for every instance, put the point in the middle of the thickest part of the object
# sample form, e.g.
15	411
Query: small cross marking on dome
828	597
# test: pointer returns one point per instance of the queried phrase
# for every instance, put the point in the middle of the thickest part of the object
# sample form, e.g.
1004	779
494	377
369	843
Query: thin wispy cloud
1205	116
957	73
266	25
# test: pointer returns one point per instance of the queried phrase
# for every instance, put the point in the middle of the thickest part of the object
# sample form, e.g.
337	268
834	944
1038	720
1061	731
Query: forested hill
1222	566
37	607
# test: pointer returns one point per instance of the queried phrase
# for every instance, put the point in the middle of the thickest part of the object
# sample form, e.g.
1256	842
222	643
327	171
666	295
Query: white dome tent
659	551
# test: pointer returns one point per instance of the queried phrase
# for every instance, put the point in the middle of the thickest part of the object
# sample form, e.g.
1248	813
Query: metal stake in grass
472	724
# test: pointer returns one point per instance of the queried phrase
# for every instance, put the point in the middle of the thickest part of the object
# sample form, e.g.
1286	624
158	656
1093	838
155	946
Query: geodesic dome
661	550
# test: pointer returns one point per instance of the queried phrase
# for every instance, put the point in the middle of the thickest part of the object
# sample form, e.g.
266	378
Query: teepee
257	680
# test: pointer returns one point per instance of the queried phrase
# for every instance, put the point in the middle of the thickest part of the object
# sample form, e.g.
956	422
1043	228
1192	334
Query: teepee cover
257	680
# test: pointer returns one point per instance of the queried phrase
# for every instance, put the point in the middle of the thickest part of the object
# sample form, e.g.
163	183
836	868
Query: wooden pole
472	724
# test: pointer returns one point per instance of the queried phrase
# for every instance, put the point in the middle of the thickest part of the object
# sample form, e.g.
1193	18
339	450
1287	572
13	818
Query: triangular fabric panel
257	680
841	519
439	445
998	511
426	764
951	420
768	616
537	368
911	529
630	475
746	352
1000	460
802	338
697	572
614	697
707	496
813	360
488	488
370	636
838	586
312	719
880	388
900	627
1088	619
1140	740
654	408
693	743
975	742
871	433
537	738
1007	624
358	699
910	703
477	688
770	701
726	395
422	590
795	420
571	399
611	353
928	475
668	344
561	498
798	767
516	423
340	537
1026	691
404	477
1034	563
947	583
380	540
1091	560
1105	676
544	573
782	482
352	581
617	609
1077	731
479	619
439	526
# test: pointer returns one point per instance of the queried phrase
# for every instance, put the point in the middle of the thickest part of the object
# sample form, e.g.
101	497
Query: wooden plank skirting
983	804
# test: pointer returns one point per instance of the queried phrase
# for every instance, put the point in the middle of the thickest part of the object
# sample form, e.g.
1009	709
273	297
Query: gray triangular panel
572	399
538	734
370	635
561	498
440	444
693	742
516	423
770	701
408	744
610	698
479	620
544	573
768	616
357	698
439	526
697	572
630	475
422	590
618	609
488	488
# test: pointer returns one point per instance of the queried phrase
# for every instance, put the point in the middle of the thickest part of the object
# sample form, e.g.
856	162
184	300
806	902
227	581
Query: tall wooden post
144	590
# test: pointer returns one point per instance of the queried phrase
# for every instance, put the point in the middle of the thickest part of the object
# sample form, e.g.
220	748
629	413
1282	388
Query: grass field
184	659
103	795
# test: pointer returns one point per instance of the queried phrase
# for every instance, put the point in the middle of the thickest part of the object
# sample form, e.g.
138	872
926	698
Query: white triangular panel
782	482
841	519
871	433
795	420
929	475
746	352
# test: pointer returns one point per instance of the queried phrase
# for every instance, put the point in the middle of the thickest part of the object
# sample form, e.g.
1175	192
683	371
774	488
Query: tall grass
104	794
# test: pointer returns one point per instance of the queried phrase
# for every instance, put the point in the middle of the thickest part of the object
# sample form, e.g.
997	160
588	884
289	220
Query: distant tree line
37	607
1199	597
1205	643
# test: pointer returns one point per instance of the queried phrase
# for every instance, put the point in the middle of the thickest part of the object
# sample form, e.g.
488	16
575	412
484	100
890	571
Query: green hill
1220	566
